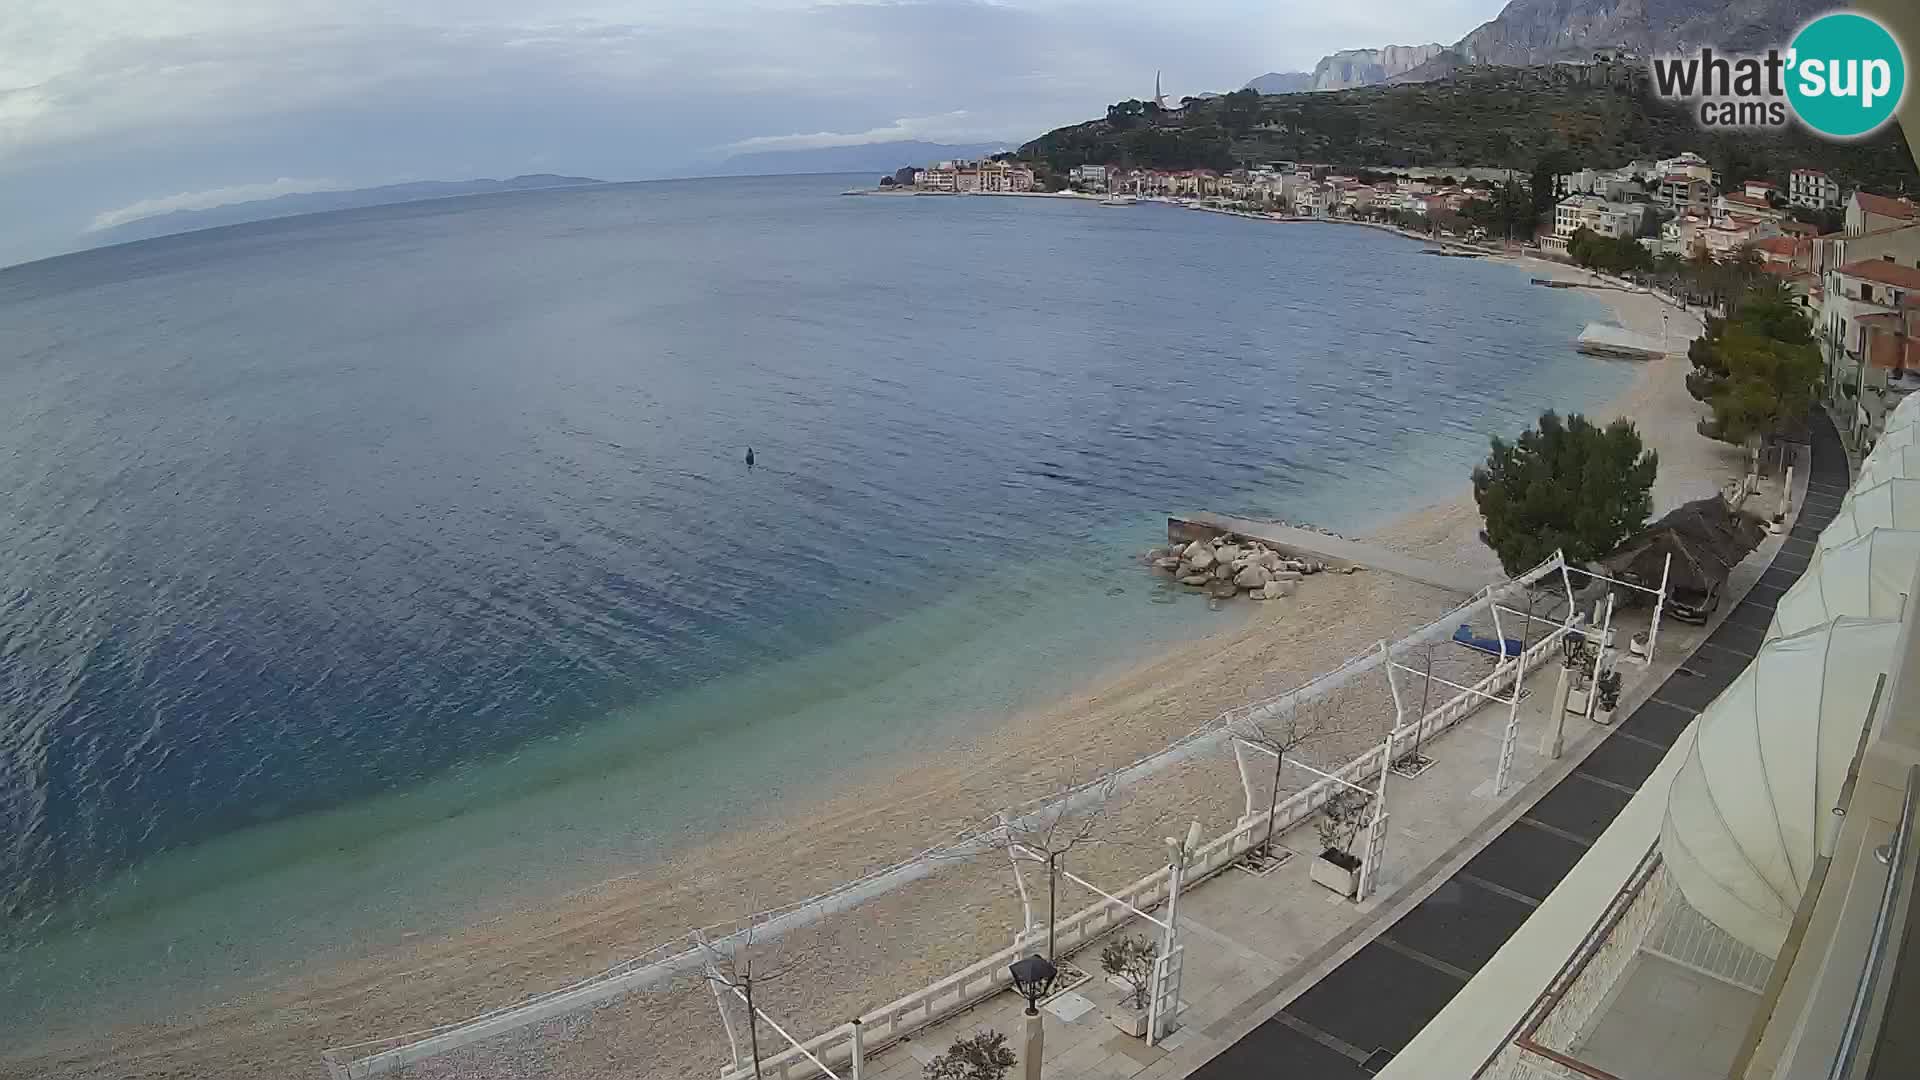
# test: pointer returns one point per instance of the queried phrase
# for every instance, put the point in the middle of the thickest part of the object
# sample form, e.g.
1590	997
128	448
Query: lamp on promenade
1033	977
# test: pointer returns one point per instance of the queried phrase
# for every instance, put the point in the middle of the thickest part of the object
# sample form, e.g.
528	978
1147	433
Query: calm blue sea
368	570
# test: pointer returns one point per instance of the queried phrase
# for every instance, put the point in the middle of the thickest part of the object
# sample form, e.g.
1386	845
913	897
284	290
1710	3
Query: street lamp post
1033	977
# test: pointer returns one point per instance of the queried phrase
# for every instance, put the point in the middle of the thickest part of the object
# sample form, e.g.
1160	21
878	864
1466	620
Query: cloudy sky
113	109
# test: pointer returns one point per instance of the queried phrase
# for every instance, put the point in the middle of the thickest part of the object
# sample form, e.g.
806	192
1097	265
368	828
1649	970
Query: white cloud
946	127
202	200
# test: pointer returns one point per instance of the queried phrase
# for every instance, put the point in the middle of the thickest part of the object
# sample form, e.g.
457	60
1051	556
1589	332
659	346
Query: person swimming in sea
749	457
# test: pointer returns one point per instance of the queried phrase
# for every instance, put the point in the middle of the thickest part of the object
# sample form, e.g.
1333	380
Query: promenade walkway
1350	1022
1285	979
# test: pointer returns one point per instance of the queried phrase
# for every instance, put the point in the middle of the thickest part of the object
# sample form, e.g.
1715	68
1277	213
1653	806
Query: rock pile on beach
1226	566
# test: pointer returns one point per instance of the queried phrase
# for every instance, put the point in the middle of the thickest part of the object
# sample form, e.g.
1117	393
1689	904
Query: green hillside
1489	117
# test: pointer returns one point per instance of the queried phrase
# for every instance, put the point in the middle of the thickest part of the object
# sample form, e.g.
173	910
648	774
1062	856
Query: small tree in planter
1340	820
1130	959
984	1055
1577	658
1608	691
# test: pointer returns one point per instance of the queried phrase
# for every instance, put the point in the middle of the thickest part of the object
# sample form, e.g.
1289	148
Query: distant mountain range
314	202
866	157
1532	32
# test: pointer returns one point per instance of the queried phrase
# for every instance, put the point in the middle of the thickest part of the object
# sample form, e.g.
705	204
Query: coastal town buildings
969	177
1867	212
1682	193
1812	189
1618	220
1088	177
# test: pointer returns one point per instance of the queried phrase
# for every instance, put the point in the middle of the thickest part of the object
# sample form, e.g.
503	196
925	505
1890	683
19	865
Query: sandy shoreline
887	810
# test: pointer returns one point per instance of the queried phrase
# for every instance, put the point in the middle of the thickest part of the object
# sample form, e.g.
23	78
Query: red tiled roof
1809	172
1798	228
1883	206
1740	199
1768	184
1776	245
1883	272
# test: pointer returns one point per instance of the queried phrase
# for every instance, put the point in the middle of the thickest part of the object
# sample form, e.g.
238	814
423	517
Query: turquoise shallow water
373	570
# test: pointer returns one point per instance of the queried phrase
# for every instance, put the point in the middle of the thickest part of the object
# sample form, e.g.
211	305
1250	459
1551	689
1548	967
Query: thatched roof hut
1706	539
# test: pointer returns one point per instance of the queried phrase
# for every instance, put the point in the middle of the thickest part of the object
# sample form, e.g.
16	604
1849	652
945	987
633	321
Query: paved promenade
1283	978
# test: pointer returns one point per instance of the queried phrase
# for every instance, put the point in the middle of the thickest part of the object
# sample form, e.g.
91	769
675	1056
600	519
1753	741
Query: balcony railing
1873	997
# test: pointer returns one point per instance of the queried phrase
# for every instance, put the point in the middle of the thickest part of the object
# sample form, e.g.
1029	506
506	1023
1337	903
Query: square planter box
1577	702
1129	1019
1336	877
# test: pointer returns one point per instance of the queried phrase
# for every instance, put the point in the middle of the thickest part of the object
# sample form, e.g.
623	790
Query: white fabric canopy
1905	435
1889	462
1906	414
1748	808
1891	504
1868	576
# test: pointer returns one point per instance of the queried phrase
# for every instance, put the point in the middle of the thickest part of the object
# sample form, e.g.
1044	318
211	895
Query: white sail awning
1890	504
1868	576
1904	415
1749	808
1889	462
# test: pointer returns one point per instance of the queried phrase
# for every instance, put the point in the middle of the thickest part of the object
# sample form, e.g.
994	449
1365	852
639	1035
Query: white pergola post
1246	779
859	1050
1376	849
1600	657
1021	935
719	1000
1659	605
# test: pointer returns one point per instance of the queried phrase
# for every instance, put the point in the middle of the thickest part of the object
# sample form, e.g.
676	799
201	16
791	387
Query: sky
114	109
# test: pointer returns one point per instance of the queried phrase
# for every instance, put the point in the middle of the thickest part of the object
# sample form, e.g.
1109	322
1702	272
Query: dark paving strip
1723	651
1747	617
1808	530
1797	547
1658	721
1570	837
1461	925
1777	577
1433	962
1629	790
1738	637
1693	688
1378	998
1501	890
1274	1050
1643	741
1527	860
1797	564
1580	807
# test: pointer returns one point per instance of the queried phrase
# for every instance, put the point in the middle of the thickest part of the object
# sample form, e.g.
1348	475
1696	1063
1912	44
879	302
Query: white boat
1119	200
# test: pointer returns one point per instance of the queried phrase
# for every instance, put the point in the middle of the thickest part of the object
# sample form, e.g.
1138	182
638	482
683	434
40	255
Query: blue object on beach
1488	645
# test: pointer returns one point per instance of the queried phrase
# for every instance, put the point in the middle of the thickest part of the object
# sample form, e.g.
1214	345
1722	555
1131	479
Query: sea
366	573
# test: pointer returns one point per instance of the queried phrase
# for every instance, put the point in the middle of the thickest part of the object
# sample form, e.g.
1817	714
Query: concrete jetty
1335	551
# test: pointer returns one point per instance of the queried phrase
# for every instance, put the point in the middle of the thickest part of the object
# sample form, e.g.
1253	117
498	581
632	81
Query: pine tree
1565	485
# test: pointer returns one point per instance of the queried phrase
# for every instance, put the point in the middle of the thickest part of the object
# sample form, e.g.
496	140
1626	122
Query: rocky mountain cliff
1365	67
1530	32
1281	82
1542	31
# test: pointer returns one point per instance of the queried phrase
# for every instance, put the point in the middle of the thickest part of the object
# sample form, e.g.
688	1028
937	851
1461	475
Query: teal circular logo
1846	75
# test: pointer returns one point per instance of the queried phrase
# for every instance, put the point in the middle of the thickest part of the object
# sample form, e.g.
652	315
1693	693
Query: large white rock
1226	553
1195	579
1199	555
1274	590
1252	577
1167	564
1223	572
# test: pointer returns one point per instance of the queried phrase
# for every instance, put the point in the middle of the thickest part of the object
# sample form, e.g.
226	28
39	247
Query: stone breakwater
1227	566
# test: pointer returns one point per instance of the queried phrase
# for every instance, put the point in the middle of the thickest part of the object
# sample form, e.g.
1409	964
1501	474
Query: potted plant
1340	819
983	1055
1577	657
1130	960
1608	692
1637	644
